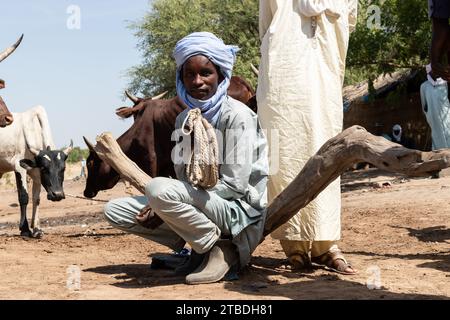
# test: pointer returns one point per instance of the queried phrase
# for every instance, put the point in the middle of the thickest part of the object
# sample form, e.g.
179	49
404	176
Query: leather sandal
329	260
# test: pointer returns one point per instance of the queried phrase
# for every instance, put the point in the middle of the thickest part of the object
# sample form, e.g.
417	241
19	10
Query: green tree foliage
77	154
402	41
234	21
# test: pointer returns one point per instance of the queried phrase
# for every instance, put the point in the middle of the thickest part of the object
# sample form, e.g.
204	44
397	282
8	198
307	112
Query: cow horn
132	97
89	144
34	151
10	50
69	148
254	69
159	96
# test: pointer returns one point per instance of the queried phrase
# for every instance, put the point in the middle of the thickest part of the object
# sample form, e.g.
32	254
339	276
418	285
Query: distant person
398	137
436	107
396	133
83	168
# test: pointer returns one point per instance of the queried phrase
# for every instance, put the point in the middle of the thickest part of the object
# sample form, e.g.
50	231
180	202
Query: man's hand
148	218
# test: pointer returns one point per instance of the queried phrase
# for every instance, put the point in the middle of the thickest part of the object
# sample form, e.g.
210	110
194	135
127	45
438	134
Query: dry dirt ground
397	236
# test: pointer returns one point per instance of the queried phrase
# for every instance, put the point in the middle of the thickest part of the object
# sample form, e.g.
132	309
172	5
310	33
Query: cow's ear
89	144
27	164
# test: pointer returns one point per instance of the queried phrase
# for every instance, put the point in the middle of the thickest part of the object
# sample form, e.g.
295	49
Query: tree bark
351	146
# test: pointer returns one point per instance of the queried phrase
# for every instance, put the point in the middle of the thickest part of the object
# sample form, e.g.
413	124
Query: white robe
303	52
434	98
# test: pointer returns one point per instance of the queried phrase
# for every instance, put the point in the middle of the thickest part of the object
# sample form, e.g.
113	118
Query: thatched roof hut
396	100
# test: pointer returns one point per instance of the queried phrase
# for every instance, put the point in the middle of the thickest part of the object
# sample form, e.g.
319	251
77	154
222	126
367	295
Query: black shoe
195	259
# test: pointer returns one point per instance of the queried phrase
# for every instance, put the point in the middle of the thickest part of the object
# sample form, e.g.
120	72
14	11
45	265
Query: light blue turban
222	55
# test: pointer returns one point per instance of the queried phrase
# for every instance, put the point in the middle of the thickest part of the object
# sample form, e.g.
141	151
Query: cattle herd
27	148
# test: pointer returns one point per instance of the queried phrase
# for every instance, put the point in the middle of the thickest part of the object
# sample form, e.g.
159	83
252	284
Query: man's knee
160	190
110	212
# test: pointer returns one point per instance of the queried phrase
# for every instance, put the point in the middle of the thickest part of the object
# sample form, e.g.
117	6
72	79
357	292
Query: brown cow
240	89
148	141
6	117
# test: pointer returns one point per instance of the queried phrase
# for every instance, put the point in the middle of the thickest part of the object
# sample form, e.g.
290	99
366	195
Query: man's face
200	77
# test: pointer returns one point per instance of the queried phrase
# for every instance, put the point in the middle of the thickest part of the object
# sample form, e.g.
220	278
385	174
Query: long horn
69	148
10	50
132	97
159	96
254	69
34	151
89	144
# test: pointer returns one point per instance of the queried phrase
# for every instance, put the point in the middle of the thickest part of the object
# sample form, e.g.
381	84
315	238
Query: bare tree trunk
351	146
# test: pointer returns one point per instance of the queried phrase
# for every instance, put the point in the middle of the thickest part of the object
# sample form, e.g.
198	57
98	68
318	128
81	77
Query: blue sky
78	75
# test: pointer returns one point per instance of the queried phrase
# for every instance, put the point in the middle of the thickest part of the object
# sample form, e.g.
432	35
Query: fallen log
351	146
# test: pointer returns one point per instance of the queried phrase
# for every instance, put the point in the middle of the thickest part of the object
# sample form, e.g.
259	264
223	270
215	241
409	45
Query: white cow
27	146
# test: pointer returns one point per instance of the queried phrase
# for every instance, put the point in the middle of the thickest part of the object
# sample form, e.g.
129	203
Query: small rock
89	232
382	184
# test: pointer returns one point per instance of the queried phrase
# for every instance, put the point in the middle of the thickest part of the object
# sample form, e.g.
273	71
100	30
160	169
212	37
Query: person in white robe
436	107
303	51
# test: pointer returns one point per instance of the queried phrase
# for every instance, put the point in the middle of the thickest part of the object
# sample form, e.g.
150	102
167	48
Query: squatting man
224	223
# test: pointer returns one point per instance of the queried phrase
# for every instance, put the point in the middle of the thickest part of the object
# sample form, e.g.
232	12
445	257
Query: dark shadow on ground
95	235
440	260
430	234
258	280
131	276
349	180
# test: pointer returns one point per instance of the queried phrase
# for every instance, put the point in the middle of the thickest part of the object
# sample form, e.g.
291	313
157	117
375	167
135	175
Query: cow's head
100	175
51	164
6	117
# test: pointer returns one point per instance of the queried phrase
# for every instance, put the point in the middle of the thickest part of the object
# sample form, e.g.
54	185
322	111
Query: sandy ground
397	236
